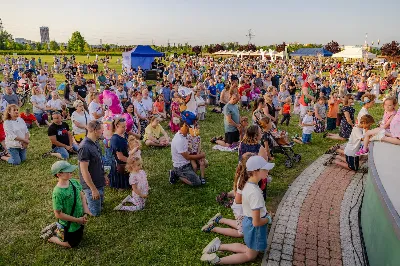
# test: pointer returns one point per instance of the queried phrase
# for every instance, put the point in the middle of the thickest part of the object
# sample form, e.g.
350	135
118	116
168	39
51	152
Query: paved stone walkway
317	221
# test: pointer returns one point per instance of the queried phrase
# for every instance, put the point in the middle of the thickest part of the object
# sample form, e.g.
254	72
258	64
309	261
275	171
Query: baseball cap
257	162
62	167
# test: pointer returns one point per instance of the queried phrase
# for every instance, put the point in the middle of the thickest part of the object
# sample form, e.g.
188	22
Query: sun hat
62	167
258	162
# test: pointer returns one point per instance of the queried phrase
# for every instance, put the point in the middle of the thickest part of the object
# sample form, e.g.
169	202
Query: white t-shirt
14	129
191	106
95	108
81	119
252	199
308	120
121	94
55	104
362	112
354	143
179	145
200	101
41	79
147	103
39	100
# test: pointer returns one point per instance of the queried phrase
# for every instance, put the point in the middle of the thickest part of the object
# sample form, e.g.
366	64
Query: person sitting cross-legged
61	138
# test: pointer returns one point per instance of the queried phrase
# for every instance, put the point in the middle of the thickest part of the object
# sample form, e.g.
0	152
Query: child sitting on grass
236	225
347	158
140	186
255	219
70	208
29	118
383	130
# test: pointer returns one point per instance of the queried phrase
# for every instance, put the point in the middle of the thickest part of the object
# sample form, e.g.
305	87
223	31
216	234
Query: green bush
35	52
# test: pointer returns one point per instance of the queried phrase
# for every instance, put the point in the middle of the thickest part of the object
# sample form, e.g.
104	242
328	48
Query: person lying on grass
70	208
255	219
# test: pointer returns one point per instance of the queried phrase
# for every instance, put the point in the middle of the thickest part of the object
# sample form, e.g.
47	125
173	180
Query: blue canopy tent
311	52
141	55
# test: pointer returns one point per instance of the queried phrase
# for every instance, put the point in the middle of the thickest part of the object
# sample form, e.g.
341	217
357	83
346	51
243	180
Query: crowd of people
84	120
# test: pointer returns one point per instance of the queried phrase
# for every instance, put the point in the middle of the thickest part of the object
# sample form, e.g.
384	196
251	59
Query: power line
250	35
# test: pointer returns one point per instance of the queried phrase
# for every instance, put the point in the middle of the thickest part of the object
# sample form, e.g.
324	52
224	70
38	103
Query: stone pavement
317	221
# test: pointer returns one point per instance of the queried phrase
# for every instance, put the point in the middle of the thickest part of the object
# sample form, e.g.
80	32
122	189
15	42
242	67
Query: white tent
354	52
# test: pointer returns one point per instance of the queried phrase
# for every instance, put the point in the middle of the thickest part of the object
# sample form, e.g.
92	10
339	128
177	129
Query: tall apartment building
44	35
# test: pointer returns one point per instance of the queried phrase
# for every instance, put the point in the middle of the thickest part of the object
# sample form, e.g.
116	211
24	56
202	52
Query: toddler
296	109
380	132
286	111
134	146
140	186
194	147
308	125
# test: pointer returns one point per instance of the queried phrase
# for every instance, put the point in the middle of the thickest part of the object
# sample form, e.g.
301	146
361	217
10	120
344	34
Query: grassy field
166	232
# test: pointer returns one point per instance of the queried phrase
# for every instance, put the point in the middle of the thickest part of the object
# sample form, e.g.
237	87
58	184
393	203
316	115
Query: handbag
61	230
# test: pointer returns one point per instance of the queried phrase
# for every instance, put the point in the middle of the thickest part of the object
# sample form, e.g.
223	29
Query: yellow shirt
153	132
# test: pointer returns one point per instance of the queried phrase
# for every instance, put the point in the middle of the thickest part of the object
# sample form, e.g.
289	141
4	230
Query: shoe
213	246
173	178
362	152
118	207
214	140
50	227
207	227
215	219
210	258
203	181
330	160
45	155
220	138
47	235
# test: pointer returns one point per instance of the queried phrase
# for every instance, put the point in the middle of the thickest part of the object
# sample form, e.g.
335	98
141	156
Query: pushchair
278	143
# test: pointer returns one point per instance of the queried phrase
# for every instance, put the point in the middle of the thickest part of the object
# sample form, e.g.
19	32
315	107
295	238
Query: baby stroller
278	143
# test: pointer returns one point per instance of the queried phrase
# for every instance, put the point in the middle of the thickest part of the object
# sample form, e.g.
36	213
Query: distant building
20	40
44	35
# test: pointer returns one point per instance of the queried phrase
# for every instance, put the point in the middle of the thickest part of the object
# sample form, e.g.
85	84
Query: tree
218	47
391	49
4	38
107	47
76	43
54	46
332	47
39	46
196	49
280	47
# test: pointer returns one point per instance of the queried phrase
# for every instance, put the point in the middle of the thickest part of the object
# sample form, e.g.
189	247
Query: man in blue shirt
212	93
232	119
326	90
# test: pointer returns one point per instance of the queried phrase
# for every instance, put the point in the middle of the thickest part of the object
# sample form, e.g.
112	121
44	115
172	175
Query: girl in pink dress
140	186
175	115
385	128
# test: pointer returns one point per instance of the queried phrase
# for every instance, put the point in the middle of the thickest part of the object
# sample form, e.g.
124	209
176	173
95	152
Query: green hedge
35	52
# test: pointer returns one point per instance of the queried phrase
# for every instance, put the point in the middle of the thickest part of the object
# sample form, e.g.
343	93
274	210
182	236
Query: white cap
257	162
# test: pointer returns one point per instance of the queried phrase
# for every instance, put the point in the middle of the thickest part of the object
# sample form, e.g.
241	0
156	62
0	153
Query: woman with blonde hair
17	135
80	119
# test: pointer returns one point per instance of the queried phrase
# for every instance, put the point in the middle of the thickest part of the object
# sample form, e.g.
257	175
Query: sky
200	22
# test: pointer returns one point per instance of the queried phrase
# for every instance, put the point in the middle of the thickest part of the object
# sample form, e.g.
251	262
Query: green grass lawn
166	232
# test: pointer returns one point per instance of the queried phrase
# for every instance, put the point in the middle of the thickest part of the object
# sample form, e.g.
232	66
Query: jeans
306	138
95	206
107	157
17	156
63	151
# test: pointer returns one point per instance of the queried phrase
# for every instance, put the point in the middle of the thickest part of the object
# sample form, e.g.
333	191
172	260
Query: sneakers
212	247
48	231
214	140
211	223
47	235
207	227
362	152
210	258
173	178
126	199
45	155
215	218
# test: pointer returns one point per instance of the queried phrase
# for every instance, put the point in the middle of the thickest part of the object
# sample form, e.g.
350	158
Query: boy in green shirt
70	208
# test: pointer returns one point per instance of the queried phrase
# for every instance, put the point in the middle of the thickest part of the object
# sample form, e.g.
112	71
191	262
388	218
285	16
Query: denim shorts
188	172
306	138
95	206
255	238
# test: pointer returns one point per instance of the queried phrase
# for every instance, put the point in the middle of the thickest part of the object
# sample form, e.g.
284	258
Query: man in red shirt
29	118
